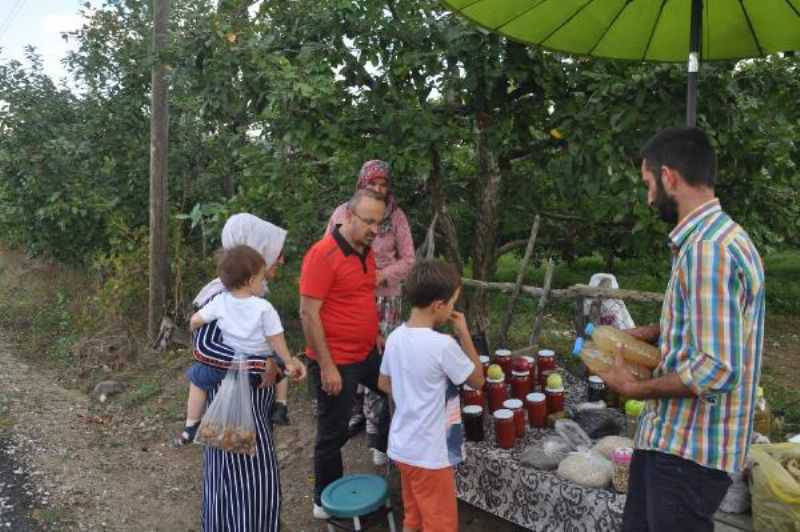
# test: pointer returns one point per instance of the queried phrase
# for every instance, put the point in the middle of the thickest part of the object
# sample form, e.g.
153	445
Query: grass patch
141	393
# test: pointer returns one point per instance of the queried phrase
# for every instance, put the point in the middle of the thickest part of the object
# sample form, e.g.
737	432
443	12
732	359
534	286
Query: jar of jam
596	389
515	405
496	393
520	384
537	409
555	399
504	430
531	369
520	364
473	422
545	364
484	363
502	357
471	396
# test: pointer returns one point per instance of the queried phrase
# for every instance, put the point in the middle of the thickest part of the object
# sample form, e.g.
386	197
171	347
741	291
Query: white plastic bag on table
574	434
587	468
228	424
548	455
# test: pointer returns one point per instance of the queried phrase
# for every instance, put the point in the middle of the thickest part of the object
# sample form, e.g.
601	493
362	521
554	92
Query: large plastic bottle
635	350
598	360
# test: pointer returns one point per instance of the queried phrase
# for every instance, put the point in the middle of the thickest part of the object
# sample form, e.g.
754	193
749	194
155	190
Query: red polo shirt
345	282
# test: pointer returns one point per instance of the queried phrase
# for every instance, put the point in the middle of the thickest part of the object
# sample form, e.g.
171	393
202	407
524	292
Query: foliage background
274	105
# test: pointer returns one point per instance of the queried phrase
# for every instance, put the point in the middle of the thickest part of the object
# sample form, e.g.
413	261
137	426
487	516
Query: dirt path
86	466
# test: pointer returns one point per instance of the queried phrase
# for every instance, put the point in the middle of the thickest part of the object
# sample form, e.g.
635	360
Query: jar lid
522	373
530	359
484	359
502	353
547	353
535	397
622	455
468	388
503	413
495	381
511	404
633	407
473	409
595	379
554	390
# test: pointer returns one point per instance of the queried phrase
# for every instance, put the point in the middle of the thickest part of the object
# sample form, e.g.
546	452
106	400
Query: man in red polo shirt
340	322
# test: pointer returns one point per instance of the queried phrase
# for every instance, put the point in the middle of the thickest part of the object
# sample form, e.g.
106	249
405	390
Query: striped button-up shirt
712	330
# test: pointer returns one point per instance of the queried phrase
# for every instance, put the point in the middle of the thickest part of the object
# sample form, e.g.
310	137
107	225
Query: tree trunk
159	136
445	225
486	222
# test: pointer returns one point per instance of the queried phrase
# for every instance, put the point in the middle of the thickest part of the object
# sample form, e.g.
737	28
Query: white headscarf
245	229
612	311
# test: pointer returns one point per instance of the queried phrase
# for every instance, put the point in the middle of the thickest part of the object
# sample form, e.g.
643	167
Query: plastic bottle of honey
762	423
598	360
635	350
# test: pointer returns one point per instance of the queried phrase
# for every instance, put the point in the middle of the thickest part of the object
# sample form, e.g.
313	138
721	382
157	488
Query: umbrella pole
695	34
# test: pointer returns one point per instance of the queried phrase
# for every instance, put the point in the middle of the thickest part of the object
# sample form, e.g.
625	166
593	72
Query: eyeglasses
366	221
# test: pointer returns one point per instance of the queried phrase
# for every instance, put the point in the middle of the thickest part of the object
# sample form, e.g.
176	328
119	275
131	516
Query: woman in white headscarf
237	488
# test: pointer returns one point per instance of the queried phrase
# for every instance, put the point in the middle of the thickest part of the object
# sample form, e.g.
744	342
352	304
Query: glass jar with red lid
515	405
471	396
505	430
496	393
502	357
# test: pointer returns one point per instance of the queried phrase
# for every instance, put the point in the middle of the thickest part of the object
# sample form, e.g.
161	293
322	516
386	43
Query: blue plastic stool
354	496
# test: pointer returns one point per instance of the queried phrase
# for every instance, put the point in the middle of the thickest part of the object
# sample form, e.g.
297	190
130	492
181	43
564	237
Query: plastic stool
355	496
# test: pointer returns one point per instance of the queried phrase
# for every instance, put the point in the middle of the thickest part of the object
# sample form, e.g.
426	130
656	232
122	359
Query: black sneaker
280	414
356	424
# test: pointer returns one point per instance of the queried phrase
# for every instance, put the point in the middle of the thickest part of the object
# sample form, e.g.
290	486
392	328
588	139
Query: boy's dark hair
685	149
238	265
431	280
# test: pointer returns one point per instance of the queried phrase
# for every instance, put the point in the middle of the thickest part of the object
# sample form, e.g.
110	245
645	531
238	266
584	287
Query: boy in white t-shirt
250	325
421	369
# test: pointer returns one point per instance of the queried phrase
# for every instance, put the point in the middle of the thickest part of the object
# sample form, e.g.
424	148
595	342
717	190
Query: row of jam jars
536	404
505	430
515	405
473	422
502	357
545	364
496	393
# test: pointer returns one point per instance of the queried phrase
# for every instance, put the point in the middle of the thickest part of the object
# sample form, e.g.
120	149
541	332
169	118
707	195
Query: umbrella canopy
645	30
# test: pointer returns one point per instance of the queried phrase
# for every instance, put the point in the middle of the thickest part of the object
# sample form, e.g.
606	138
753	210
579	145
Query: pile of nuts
228	438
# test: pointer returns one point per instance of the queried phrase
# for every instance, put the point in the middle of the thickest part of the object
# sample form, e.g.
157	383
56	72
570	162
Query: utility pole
159	135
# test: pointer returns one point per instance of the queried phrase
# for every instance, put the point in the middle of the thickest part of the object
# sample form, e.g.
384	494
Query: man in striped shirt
698	421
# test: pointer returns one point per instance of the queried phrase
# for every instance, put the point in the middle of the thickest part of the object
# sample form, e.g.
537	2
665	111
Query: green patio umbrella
646	30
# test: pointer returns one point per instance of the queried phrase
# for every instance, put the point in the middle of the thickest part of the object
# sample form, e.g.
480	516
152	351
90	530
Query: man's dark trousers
667	493
333	414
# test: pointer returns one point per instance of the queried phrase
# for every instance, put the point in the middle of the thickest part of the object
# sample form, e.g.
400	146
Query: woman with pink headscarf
393	249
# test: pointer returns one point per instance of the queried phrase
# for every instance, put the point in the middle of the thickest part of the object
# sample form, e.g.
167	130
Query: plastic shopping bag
228	423
775	487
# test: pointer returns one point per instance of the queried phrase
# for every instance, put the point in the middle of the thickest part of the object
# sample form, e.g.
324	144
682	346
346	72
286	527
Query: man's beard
664	204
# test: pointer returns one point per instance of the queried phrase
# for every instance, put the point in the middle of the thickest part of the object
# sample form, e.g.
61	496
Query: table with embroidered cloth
494	480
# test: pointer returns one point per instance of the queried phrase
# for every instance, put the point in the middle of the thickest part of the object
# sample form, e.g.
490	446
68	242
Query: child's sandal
187	436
